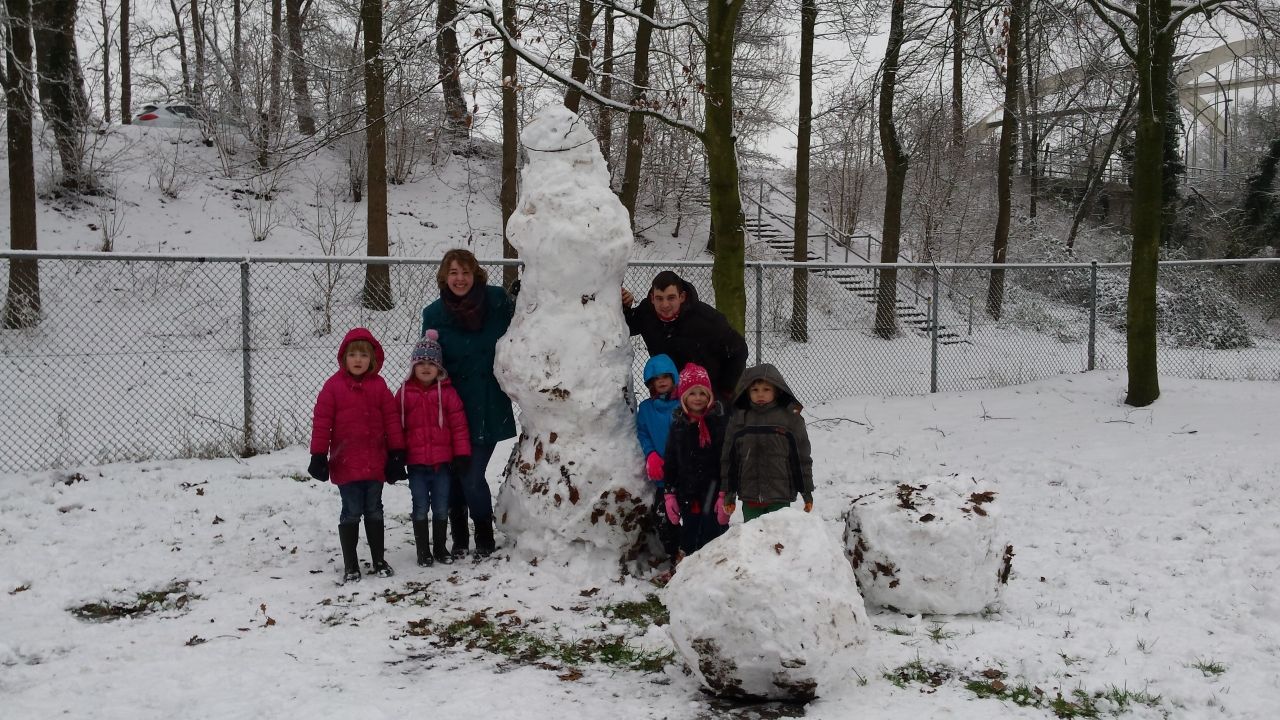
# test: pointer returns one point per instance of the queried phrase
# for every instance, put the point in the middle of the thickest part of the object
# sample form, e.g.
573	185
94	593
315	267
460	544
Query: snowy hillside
1145	577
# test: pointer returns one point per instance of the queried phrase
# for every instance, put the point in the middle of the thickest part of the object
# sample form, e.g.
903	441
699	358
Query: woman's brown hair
465	260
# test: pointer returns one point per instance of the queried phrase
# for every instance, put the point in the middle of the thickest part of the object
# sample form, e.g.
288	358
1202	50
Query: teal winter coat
468	358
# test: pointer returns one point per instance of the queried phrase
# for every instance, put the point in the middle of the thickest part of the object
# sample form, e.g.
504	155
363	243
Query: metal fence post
826	250
760	208
248	448
933	334
1093	314
759	311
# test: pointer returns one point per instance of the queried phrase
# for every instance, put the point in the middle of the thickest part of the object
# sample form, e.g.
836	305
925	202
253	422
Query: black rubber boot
422	542
439	527
374	529
484	538
349	538
458	529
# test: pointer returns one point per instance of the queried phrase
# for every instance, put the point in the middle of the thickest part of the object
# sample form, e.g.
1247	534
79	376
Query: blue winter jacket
653	417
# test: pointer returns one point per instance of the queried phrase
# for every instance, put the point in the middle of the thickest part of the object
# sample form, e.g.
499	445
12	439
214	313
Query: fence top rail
87	255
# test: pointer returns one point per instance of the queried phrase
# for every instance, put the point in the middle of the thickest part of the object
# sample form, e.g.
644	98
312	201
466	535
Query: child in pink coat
435	427
357	444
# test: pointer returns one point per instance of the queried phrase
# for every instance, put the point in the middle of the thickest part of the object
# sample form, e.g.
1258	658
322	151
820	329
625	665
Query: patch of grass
1209	667
919	673
938	633
644	613
895	630
504	635
171	597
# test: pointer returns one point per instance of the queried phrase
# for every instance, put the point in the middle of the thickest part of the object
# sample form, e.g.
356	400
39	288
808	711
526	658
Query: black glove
461	465
514	290
395	469
319	467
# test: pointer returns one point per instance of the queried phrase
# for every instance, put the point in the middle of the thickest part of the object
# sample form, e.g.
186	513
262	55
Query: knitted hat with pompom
428	350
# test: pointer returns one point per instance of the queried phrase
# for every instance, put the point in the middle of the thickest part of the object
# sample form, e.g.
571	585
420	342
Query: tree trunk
1094	178
237	88
1153	63
22	301
197	42
635	121
1004	163
800	276
106	61
1030	71
895	166
457	119
727	221
580	70
179	30
126	71
274	109
1173	165
62	95
510	139
377	278
605	132
957	73
303	107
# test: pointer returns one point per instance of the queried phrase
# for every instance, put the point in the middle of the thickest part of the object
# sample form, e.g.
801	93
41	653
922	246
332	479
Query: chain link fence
138	356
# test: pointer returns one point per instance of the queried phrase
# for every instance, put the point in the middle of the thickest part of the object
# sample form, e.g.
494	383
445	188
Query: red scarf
704	433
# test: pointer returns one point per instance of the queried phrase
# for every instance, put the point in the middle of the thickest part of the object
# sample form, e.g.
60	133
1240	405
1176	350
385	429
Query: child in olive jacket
766	460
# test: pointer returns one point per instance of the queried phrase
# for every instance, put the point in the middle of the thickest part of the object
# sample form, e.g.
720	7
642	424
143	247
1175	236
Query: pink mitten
722	516
673	509
653	466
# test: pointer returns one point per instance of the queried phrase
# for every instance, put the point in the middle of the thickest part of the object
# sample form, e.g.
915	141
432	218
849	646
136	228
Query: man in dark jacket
672	320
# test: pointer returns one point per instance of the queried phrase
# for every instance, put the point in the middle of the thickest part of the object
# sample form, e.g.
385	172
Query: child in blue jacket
653	422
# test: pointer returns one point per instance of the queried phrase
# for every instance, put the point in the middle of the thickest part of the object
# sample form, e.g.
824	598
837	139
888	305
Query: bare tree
510	137
605	131
457	118
126	69
295	16
581	67
1004	164
62	96
895	166
635	121
22	300
377	278
800	276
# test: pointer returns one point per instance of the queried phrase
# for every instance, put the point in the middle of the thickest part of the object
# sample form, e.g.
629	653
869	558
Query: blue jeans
429	485
473	489
360	498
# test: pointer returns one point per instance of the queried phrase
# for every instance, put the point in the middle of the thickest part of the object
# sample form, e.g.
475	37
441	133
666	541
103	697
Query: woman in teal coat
470	316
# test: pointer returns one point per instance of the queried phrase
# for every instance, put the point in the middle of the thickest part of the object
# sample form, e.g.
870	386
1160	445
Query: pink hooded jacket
356	420
435	425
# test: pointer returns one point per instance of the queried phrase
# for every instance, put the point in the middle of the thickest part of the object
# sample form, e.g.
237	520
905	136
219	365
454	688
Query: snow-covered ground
1147	550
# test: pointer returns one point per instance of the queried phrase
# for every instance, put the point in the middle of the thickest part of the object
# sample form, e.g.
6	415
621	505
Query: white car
168	116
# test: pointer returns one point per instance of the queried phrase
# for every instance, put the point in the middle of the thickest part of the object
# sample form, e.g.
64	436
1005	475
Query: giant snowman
574	493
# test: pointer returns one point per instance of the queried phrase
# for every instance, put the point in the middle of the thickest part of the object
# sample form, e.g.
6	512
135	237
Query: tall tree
179	29
303	108
804	132
275	110
580	71
449	56
510	137
635	121
605	133
719	139
237	42
126	70
1155	26
377	278
62	95
22	300
957	73
197	43
105	17
1005	159
895	168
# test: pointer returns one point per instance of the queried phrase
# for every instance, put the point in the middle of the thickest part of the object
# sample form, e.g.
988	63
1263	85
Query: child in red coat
357	444
439	441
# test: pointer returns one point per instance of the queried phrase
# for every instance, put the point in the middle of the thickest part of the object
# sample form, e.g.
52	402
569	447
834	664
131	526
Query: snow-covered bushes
768	610
932	547
1191	311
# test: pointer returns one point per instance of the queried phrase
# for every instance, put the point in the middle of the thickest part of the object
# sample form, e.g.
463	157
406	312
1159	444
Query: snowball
932	547
574	491
768	610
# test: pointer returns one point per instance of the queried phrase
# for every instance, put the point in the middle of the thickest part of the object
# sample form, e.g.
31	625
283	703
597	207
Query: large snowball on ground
931	547
769	610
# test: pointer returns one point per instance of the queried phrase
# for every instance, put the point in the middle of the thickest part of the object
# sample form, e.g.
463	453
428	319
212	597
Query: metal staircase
778	232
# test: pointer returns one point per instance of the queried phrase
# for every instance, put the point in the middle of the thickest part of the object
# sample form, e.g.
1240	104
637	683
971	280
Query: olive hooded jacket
766	457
